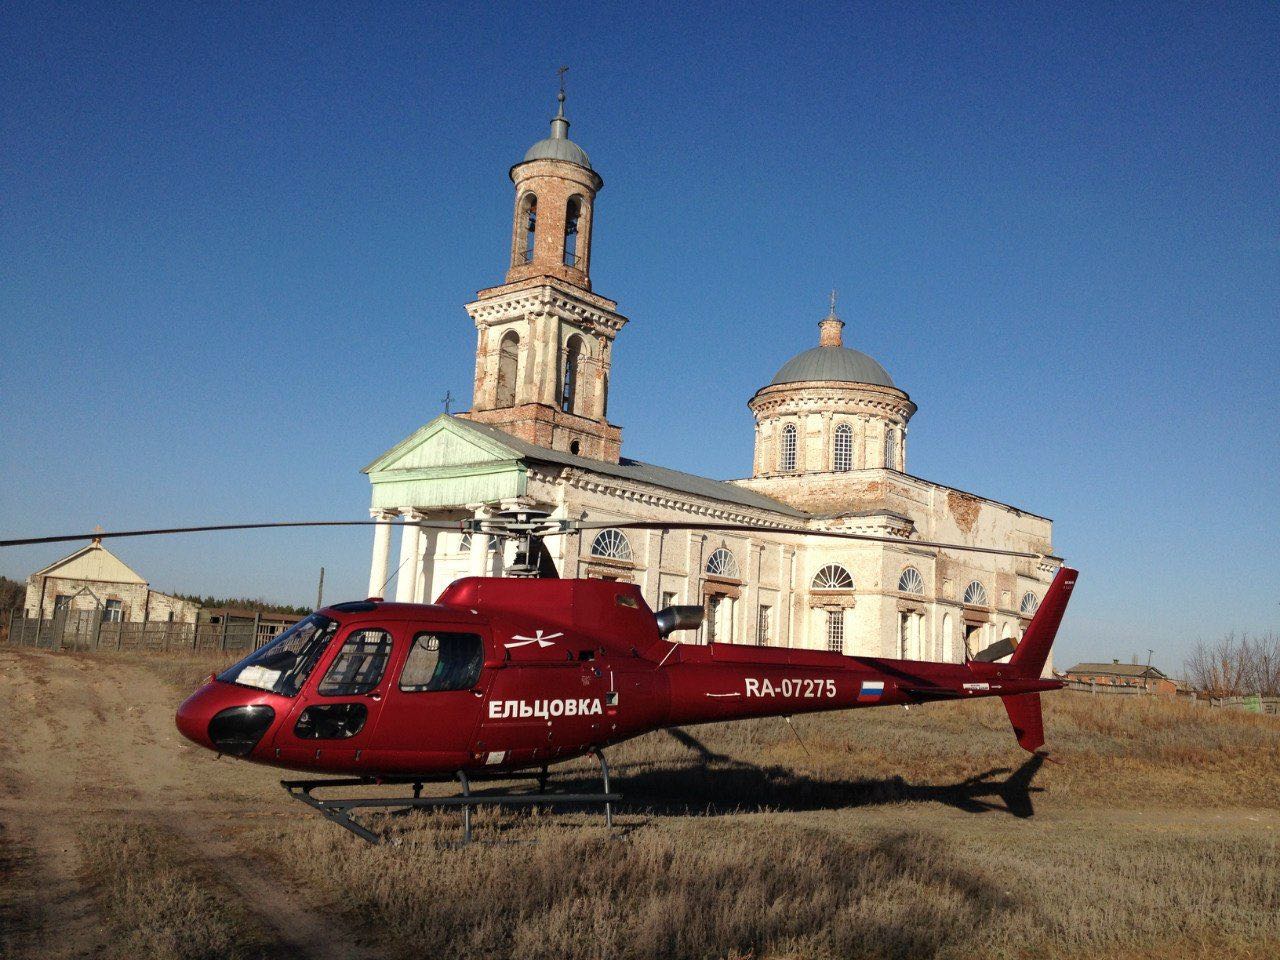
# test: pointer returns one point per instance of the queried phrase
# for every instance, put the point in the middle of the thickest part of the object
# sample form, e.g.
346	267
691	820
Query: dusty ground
117	838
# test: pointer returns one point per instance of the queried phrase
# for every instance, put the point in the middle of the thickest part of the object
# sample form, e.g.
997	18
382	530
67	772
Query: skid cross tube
339	810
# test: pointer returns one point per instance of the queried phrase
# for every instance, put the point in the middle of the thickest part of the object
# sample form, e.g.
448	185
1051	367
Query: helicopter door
332	723
432	710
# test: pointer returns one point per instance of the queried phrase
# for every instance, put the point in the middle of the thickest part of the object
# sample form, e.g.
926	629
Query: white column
410	554
381	551
427	589
479	548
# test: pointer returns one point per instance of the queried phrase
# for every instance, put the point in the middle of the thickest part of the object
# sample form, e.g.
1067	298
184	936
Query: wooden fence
1253	704
93	632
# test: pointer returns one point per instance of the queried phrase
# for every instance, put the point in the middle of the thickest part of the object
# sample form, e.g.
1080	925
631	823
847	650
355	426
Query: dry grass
807	855
748	844
774	888
157	905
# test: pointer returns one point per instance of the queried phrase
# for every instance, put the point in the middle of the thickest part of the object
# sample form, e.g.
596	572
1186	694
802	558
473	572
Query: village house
93	580
1117	674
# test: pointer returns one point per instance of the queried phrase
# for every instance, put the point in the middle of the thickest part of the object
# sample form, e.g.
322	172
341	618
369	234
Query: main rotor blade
104	535
794	531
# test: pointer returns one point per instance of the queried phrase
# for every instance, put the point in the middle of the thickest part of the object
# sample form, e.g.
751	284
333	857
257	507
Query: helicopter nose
194	715
217	718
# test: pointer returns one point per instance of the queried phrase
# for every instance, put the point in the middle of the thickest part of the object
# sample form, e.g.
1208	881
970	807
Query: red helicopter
511	674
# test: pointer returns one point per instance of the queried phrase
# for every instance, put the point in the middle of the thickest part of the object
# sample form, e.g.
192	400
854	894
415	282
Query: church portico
830	455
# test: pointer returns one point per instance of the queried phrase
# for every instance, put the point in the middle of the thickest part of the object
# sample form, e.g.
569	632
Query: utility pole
320	591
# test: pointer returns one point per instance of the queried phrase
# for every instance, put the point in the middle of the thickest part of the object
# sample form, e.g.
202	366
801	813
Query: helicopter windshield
284	664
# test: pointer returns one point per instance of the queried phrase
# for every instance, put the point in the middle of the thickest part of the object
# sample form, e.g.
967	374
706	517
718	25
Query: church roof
558	146
639	471
833	363
626	469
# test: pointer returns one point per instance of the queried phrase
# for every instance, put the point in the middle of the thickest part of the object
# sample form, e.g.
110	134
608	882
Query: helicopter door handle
375	696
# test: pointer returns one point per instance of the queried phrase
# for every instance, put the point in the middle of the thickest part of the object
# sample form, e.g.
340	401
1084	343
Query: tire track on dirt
92	738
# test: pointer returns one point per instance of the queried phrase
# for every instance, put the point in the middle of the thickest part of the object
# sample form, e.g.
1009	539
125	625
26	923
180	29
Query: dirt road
91	740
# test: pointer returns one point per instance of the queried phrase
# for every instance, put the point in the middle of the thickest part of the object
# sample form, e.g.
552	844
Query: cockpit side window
359	665
442	661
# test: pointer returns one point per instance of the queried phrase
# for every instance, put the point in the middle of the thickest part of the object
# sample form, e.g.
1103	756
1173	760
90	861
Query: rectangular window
442	661
762	626
713	610
667	599
113	610
835	631
61	603
359	665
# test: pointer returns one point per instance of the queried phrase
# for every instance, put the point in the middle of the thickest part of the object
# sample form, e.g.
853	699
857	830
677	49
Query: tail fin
1028	722
1029	658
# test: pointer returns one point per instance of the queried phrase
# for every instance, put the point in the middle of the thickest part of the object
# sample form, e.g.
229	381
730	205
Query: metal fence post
12	612
223	643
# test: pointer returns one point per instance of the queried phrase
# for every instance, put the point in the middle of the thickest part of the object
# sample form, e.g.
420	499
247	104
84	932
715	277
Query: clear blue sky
235	241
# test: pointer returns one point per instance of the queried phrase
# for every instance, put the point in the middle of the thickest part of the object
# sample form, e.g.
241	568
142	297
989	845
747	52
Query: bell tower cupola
544	351
555	194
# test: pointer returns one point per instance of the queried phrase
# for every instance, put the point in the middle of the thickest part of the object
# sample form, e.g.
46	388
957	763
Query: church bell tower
545	340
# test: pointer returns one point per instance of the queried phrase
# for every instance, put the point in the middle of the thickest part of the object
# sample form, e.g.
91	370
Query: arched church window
529	215
975	594
572	213
833	577
911	581
508	369
1030	602
493	546
611	545
788	452
569	385
842	454
891	449
722	563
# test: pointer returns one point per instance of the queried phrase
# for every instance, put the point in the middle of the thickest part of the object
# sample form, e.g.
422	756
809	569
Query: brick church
830	454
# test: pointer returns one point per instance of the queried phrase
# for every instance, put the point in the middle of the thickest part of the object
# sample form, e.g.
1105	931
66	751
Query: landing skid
339	810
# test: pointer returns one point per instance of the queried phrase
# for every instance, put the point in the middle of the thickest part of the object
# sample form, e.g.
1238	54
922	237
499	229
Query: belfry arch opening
570	401
573	254
508	370
527	228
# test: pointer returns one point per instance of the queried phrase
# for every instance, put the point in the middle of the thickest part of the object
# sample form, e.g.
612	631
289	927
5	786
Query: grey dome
555	148
558	146
833	363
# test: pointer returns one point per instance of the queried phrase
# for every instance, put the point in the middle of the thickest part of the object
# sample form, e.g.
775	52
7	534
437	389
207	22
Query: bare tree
1234	666
1217	668
1262	665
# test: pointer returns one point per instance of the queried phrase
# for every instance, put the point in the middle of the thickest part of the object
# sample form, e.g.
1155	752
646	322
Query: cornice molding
545	299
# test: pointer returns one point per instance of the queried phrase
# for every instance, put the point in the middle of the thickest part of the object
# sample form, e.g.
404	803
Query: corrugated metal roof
1116	669
636	470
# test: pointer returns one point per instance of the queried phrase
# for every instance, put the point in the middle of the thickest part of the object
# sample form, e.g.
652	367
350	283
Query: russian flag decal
870	690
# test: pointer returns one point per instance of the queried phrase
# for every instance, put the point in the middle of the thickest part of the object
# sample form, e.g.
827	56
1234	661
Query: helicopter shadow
716	784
